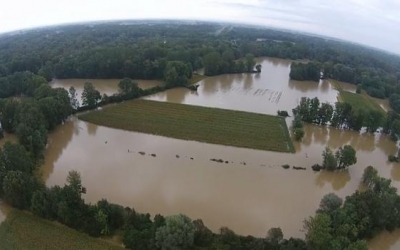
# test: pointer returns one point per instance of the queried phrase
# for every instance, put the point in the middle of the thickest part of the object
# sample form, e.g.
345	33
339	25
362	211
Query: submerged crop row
187	122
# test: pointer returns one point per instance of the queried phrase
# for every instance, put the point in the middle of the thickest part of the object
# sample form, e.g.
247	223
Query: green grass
358	101
187	122
22	230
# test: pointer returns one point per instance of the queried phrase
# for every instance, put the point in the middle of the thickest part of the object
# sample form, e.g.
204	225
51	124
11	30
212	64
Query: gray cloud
371	22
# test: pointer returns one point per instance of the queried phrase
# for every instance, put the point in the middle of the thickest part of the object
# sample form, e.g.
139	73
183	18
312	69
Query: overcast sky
371	22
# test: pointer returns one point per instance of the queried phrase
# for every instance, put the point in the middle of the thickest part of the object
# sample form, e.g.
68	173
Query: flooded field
268	92
249	194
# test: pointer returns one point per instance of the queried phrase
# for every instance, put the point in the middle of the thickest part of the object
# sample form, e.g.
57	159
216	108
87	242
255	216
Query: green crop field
22	230
358	101
187	122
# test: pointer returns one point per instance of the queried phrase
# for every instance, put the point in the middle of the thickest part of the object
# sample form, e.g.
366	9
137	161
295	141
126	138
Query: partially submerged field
358	101
22	230
187	122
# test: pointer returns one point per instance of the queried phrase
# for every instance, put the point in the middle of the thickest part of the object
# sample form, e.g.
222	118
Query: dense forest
30	108
142	51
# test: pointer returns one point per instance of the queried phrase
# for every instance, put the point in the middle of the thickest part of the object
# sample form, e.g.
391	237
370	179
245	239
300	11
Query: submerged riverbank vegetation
355	114
187	122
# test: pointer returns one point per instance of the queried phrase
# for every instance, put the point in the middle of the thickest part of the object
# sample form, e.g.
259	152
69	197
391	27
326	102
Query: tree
258	68
139	232
73	98
329	203
177	73
358	245
250	62
329	161
128	87
374	120
370	176
178	233
90	96
275	235
324	113
346	156
74	181
359	88
9	115
18	189
318	231
298	133
203	237
14	157
212	64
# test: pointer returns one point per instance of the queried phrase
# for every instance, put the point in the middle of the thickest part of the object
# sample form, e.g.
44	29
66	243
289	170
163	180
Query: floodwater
251	193
268	92
108	86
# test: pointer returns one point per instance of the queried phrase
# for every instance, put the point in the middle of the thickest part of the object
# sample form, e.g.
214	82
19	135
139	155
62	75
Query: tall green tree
250	62
90	96
346	156
329	161
177	73
128	87
18	188
178	233
73	98
318	232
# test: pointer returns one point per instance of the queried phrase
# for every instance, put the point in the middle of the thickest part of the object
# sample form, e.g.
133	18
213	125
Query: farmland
358	101
22	230
210	125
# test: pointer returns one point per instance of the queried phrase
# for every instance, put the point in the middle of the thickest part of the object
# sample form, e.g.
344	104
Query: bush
392	158
298	134
283	113
316	167
286	166
358	90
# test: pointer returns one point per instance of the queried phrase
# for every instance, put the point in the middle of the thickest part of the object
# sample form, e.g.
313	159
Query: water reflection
336	180
386	241
91	129
104	86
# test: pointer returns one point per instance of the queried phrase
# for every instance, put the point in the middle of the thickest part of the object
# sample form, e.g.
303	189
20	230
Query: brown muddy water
249	194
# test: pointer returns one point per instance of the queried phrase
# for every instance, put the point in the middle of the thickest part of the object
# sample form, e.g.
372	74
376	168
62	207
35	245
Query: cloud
371	22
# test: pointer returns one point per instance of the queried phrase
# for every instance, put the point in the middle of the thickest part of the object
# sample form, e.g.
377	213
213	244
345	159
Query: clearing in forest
22	230
187	122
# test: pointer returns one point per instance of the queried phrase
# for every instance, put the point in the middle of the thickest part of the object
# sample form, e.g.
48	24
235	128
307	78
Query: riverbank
21	230
187	122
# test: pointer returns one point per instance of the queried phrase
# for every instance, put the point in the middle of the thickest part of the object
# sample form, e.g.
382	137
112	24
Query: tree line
142	51
348	224
342	115
305	71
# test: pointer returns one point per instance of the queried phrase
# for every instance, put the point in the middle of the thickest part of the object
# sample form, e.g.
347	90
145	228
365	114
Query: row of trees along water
343	116
142	51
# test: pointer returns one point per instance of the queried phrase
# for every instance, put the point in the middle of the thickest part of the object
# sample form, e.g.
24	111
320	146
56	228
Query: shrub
392	158
286	166
283	113
298	134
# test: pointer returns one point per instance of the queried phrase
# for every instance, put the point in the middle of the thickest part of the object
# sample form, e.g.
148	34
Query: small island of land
187	122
